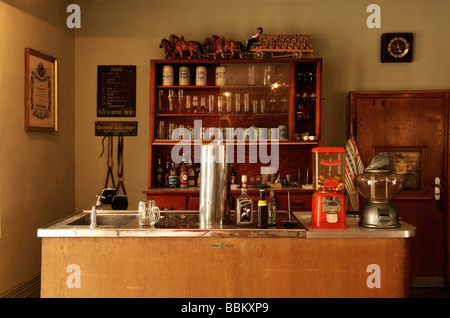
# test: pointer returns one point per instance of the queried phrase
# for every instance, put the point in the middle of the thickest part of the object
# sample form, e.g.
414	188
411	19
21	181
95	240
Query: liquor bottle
191	174
262	210
159	174
167	174
233	175
272	210
183	174
173	177
197	174
244	206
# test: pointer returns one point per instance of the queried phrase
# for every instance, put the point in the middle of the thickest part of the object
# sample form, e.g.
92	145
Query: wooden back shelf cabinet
266	94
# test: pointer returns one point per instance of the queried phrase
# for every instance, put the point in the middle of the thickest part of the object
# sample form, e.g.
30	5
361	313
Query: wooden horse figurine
168	48
181	46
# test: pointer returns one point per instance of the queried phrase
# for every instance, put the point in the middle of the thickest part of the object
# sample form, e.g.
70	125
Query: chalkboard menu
116	91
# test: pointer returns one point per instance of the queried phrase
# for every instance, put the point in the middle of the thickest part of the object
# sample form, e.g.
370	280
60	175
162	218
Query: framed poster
409	162
41	91
116	91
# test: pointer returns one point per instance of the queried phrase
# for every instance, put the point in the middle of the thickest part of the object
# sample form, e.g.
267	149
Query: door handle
437	188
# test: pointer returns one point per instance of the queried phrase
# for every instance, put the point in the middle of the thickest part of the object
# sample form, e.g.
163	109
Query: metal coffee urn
214	186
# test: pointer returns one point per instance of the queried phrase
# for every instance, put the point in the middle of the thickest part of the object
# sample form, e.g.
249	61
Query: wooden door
413	127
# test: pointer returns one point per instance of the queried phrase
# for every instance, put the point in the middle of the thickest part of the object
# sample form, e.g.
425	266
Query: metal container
214	186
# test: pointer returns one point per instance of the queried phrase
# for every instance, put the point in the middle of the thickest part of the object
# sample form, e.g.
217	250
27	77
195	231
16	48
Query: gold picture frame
41	91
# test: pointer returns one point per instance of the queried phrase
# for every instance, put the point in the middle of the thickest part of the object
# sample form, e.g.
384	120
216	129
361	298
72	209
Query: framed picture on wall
409	162
41	91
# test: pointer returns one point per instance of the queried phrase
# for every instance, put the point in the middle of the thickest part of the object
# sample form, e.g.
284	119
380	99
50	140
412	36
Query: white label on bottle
172	179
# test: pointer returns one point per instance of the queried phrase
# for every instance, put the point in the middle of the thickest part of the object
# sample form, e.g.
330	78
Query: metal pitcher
214	186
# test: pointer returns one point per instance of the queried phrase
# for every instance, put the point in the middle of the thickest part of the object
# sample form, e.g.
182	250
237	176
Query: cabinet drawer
169	202
299	202
193	203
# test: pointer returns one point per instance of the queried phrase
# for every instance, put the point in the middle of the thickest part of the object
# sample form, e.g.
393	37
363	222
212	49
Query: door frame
350	124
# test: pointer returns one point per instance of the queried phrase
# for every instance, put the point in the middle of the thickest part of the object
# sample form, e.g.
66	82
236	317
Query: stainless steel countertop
354	230
171	224
185	224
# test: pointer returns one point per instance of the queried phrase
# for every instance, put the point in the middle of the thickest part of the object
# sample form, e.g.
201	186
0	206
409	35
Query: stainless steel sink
105	220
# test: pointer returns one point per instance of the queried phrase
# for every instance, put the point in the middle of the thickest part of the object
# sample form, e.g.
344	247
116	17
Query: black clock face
398	47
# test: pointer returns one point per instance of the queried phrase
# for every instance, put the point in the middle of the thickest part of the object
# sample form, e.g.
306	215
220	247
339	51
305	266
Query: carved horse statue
168	48
180	46
217	45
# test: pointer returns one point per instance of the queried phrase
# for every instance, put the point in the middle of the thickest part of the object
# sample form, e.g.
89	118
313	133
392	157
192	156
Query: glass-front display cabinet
244	103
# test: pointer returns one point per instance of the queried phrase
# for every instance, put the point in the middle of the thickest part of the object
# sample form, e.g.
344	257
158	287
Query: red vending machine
328	201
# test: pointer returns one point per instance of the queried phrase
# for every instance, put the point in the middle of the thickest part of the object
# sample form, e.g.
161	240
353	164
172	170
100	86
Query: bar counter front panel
178	259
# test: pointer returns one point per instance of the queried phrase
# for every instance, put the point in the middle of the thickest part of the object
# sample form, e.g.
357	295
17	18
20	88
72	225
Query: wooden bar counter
180	260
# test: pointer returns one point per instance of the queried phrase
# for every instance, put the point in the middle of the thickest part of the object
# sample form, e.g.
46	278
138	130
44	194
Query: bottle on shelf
159	174
166	174
244	205
262	210
173	178
191	174
197	175
233	175
183	173
272	210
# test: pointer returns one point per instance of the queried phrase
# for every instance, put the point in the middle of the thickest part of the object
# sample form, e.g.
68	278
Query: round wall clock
396	47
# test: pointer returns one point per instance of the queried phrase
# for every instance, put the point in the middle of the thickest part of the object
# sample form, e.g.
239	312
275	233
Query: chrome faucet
97	207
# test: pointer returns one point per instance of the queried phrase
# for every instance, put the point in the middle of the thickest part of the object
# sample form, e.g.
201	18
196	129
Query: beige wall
37	174
129	32
46	176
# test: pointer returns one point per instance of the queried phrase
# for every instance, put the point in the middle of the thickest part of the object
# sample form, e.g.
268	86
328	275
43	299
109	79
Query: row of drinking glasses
187	132
220	104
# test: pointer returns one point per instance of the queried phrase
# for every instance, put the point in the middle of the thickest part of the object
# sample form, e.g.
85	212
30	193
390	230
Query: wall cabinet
247	103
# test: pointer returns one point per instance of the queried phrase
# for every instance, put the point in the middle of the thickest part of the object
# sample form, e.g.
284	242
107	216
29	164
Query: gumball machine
328	200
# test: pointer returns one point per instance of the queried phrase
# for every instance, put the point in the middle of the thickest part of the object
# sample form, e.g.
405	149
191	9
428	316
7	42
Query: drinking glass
246	103
155	213
283	104
228	100
272	102
195	103
255	106
160	98
188	103
238	103
171	129
263	106
211	103
220	104
171	97
161	133
180	100
203	104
